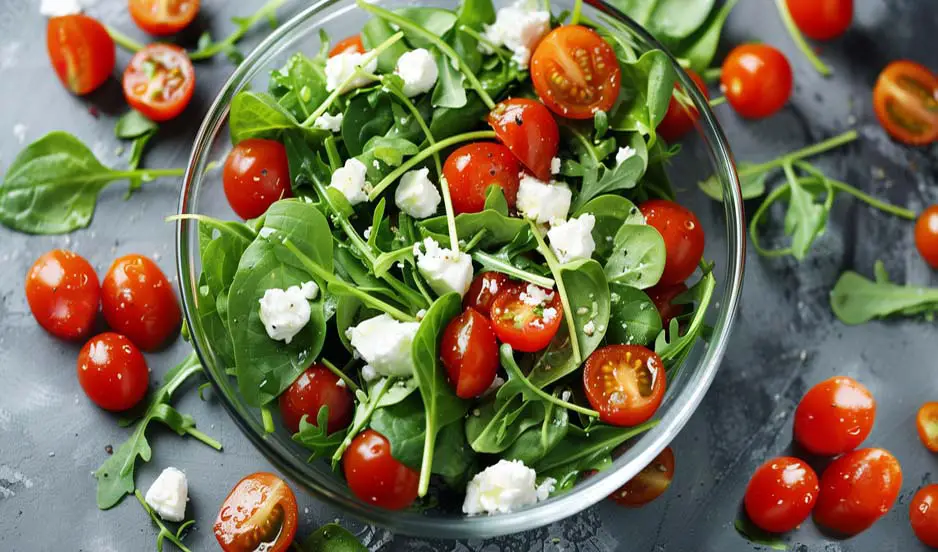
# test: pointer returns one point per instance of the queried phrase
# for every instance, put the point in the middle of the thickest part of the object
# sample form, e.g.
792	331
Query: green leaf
857	300
133	125
376	31
493	426
623	176
332	538
581	450
390	151
299	86
259	115
671	345
136	156
611	212
805	219
449	90
499	229
647	86
532	445
751	183
476	13
700	48
316	438
437	21
364	121
495	200
634	318
638	258
756	536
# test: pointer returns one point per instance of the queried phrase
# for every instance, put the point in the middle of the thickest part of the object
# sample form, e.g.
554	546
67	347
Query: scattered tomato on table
63	293
82	52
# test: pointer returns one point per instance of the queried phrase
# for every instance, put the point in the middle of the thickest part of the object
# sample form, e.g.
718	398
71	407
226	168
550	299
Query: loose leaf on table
756	536
611	212
805	219
315	436
165	534
634	318
259	115
642	108
133	125
856	299
638	256
208	48
332	538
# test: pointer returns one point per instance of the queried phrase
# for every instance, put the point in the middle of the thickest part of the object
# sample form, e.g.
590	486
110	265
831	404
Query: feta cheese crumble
624	154
168	495
385	345
284	312
504	487
543	202
534	295
57	8
416	195
350	180
418	70
573	239
346	66
332	123
555	165
444	269
519	28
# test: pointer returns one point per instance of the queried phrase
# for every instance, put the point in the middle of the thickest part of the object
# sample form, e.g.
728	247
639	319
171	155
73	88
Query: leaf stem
508	362
800	154
210	221
718	101
799	40
577	11
268	419
123	40
500	51
341	375
357	424
164	532
204	438
554	266
149	174
712	74
900	212
501	266
266	11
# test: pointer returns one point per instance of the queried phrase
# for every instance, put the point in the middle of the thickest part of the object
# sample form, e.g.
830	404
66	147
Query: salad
461	260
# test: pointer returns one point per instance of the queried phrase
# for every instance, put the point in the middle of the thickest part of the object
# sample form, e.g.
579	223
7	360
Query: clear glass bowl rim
586	493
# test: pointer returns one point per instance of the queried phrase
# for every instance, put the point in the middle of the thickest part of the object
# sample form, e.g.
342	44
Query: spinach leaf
332	538
623	176
634	318
499	229
494	426
805	219
647	85
495	200
449	91
638	256
366	117
394	393
437	21
259	115
700	47
611	212
299	86
316	437
476	13
390	151
581	450
376	31
856	300
532	445
133	125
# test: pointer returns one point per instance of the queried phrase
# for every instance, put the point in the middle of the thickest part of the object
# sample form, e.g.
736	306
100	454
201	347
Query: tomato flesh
375	476
683	238
159	81
834	416
258	514
905	99
529	131
469	353
926	235
138	301
471	169
526	317
857	489
624	383
927	425
575	72
163	17
649	484
680	118
348	45
923	515
81	51
63	293
821	19
315	388
483	290
112	372
781	494
255	176
756	79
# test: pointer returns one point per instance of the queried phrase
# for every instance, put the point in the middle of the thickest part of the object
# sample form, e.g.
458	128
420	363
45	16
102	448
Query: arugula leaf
751	182
332	538
634	318
610	212
623	176
259	115
497	425
133	125
316	437
756	536
136	155
667	19
449	90
641	108
165	534
670	345
208	48
805	220
857	300
300	86
518	384
638	256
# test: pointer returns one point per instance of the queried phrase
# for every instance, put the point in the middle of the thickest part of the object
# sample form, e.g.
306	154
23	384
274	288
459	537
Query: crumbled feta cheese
418	70
367	233
555	165
589	328
285	312
549	314
565	396
543	202
519	28
332	123
421	313
535	295
385	343
573	239
623	154
168	494
346	65
369	373
444	269
350	180
57	8
416	195
341	383
504	487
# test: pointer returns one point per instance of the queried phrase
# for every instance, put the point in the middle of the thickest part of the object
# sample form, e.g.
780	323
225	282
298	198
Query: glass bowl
705	154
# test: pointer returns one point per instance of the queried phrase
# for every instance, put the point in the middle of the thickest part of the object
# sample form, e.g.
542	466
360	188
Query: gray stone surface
51	438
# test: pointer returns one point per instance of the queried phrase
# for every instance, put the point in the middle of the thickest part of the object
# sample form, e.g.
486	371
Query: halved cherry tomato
927	423
756	79
923	515
781	494
649	484
905	99
315	388
575	72
63	293
471	169
256	174
163	17
683	238
138	301
258	514
821	19
375	476
112	372
625	383
483	290
834	416
926	235
350	44
857	489
469	353
662	296
680	118
522	320
529	131
159	81
81	50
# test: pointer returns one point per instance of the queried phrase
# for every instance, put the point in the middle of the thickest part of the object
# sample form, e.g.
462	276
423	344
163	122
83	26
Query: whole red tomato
63	294
781	494
112	372
834	416
138	301
857	489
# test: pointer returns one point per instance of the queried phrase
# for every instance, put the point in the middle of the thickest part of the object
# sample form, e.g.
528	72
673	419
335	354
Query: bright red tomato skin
663	296
238	527
256	174
834	416
680	119
483	290
471	169
923	515
821	19
624	383
927	424
926	235
520	325
63	293
349	44
162	93
857	489
781	494
163	17
81	51
469	353
683	238
756	79
530	132
138	301
112	372
374	476
315	388
649	484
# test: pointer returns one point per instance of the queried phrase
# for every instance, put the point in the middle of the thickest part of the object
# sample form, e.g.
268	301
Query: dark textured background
51	438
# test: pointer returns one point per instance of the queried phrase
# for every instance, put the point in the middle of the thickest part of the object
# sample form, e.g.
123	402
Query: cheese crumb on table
168	495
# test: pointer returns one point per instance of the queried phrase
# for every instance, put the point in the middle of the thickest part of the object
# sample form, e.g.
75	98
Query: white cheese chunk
444	269
168	495
345	66
555	165
535	296
505	487
332	123
416	195
385	345
285	312
623	154
350	180
519	28
418	70
573	239
57	8
543	202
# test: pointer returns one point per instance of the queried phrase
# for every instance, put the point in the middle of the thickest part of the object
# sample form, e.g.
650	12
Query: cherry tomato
163	17
256	175
575	72
834	416
857	489
159	81
258	514
350	44
927	423
315	388
625	383
375	476
680	118
483	290
529	131
756	79
649	484
112	372
905	99
923	515
469	353
81	50
821	19
662	296
471	169
683	238
138	301
781	494
926	235
521	320
63	294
